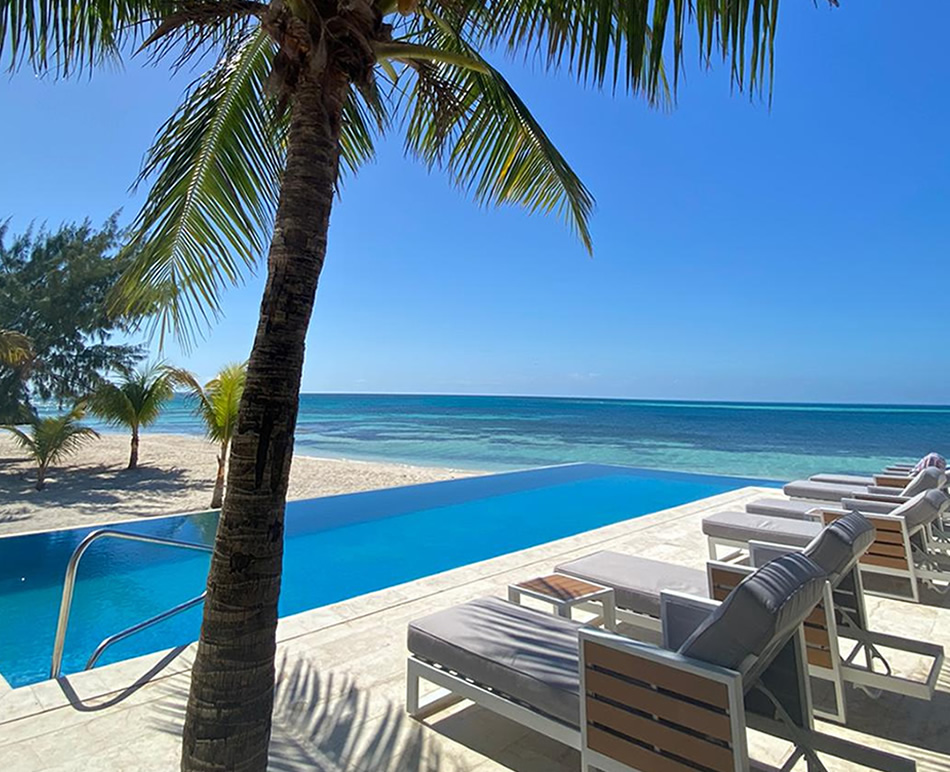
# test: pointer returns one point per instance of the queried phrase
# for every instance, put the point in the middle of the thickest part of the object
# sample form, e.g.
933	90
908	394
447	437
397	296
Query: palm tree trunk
218	494
228	720
134	452
40	477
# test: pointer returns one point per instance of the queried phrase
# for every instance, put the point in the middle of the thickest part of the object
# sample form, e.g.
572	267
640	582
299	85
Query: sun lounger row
882	488
910	546
682	705
901	471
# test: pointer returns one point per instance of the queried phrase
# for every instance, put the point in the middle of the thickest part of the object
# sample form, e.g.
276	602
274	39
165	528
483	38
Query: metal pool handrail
69	585
107	642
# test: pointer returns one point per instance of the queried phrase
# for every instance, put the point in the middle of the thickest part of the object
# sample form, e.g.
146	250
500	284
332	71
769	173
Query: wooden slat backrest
888	549
723	578
651	715
722	581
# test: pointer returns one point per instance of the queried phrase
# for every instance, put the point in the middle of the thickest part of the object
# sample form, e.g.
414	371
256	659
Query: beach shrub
136	401
216	404
50	440
54	287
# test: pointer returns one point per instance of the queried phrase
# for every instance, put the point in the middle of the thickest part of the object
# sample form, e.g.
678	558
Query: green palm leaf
463	116
70	35
50	440
624	41
137	400
217	402
215	167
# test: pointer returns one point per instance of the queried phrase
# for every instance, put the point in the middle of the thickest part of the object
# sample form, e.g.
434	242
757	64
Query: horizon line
593	398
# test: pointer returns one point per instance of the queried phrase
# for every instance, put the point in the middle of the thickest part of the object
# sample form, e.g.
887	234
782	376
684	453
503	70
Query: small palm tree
216	403
49	440
135	402
15	348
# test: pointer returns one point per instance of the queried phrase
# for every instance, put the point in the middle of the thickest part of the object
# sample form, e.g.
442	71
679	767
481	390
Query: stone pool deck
342	682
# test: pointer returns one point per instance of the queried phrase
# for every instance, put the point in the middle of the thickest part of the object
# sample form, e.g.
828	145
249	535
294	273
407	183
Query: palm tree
217	403
135	402
15	348
300	92
49	440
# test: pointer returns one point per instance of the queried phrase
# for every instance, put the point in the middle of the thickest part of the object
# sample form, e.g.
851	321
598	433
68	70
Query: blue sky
740	253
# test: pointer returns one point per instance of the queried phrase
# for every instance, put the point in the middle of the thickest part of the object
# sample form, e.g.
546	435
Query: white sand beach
175	474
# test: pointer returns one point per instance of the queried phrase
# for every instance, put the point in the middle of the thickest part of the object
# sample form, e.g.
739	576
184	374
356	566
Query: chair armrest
681	614
818	513
873	495
868	505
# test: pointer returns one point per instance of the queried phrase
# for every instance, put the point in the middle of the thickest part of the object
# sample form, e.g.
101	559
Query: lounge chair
638	583
902	548
626	705
829	491
899	474
928	508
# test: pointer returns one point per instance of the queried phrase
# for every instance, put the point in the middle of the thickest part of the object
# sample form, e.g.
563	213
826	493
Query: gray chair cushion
843	479
637	582
840	545
923	508
758	616
822	491
929	479
867	506
782	508
527	655
744	527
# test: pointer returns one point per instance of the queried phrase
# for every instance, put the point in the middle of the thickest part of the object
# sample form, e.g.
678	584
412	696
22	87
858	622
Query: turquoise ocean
773	441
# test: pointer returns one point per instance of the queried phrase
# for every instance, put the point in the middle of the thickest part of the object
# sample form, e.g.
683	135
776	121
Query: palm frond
137	400
190	28
53	438
224	398
15	348
625	41
216	166
70	35
217	402
111	403
21	438
463	116
365	116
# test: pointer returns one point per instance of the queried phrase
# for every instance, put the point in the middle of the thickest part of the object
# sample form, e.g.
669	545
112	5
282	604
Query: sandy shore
176	474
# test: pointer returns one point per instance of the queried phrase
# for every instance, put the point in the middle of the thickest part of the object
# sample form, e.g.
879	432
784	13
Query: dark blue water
761	440
336	548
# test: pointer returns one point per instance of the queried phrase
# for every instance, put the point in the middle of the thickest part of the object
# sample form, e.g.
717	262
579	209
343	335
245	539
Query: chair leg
412	691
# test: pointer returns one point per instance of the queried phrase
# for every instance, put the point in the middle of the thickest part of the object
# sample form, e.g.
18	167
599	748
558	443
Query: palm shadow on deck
922	725
324	722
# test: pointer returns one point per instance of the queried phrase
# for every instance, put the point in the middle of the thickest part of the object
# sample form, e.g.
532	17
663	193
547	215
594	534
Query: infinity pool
337	547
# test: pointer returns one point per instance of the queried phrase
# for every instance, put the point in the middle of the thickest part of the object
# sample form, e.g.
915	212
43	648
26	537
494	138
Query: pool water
337	547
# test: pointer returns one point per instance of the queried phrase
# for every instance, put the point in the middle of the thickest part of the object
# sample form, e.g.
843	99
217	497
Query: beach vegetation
249	165
54	286
216	403
134	402
15	348
51	439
